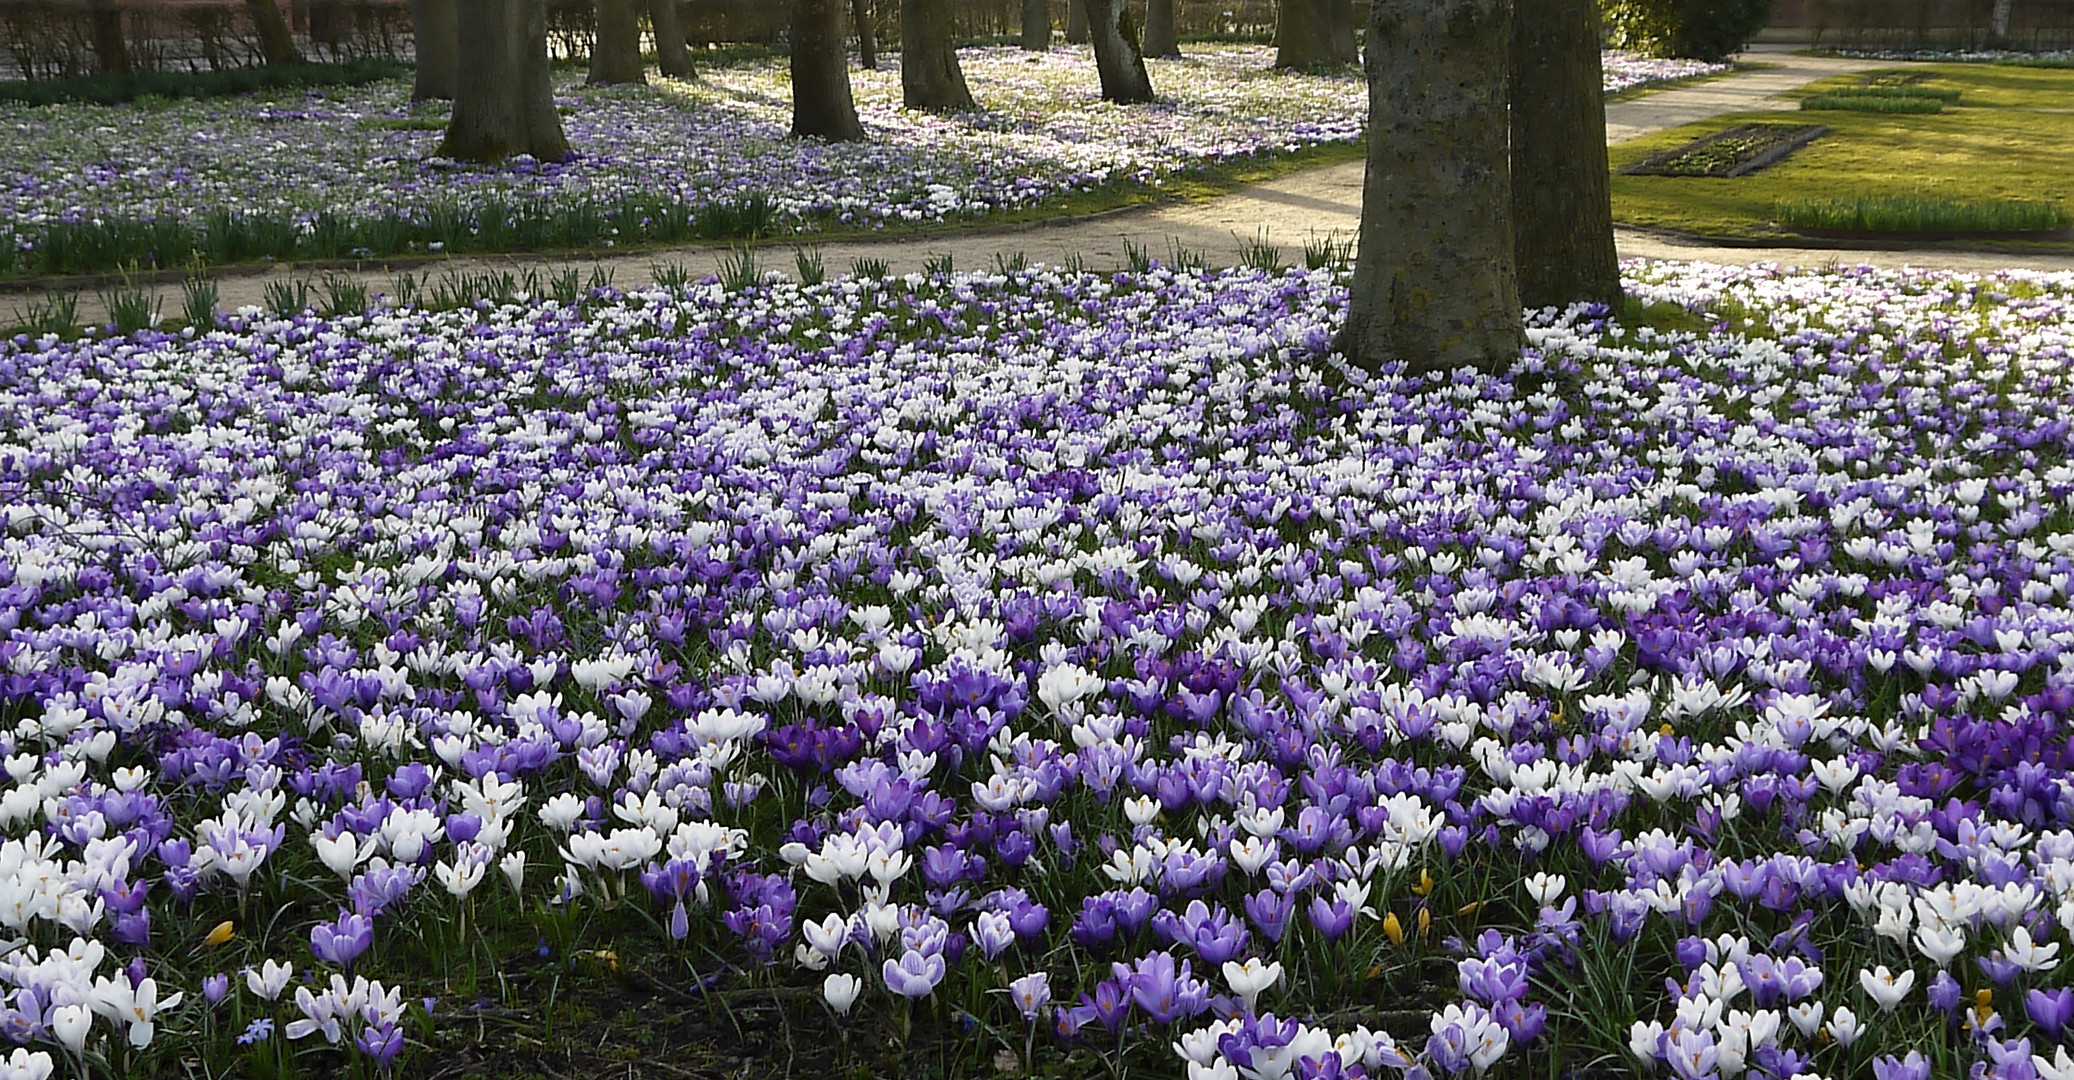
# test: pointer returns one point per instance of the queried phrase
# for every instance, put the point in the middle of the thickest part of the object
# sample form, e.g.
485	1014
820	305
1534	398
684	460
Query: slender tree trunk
867	35
1562	203
930	77
436	29
111	50
1998	24
504	103
1314	34
275	42
1162	38
616	53
1037	25
821	102
1076	22
1121	66
670	54
1434	280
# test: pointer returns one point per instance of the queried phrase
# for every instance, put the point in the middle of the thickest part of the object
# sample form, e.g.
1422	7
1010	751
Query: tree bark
275	41
1562	202
821	102
1162	37
1121	66
504	102
1076	22
867	35
1434	280
1037	25
111	49
436	31
670	54
930	77
1314	34
616	52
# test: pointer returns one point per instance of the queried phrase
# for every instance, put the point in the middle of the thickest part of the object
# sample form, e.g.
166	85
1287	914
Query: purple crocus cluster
1095	653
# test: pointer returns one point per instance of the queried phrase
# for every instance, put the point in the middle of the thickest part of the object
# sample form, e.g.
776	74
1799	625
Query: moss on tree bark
504	100
930	77
1118	61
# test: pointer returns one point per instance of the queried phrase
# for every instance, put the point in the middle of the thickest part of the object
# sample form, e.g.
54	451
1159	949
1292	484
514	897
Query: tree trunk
1161	36
504	102
1076	22
111	50
436	30
1314	34
275	42
1434	280
1117	59
1562	203
867	35
670	54
930	77
1998	24
821	102
1037	25
616	53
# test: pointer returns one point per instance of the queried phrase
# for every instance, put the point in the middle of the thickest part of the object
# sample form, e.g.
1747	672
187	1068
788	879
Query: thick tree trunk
1076	22
670	54
1162	38
1037	25
111	50
1117	59
1314	34
504	103
1434	280
436	29
1562	203
821	102
616	54
930	77
275	42
867	35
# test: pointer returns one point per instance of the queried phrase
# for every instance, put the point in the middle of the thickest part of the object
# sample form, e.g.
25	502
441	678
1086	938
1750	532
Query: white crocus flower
1885	988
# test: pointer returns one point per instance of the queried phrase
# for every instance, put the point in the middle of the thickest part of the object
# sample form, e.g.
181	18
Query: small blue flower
259	1031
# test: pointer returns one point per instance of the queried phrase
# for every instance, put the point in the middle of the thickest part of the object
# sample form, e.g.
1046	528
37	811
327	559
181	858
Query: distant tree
821	101
1562	204
1162	37
1076	22
504	100
436	32
1700	29
111	50
1314	34
616	50
867	34
276	44
1434	279
1036	25
671	56
1998	23
1118	62
930	77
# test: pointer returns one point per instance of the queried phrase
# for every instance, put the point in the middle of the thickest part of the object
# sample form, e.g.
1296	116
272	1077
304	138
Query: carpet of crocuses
364	152
1091	665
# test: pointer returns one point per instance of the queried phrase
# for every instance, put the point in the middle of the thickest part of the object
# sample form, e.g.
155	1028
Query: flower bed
349	171
1056	661
1736	151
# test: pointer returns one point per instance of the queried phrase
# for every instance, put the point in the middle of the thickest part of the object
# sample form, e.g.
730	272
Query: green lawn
2009	137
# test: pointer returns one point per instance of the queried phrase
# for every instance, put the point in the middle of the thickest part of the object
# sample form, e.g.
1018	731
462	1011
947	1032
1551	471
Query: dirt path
1317	206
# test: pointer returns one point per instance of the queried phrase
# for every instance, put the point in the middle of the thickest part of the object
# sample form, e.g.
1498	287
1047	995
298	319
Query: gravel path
1310	207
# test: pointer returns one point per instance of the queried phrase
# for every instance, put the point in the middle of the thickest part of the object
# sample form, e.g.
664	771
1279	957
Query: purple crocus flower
915	974
341	942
